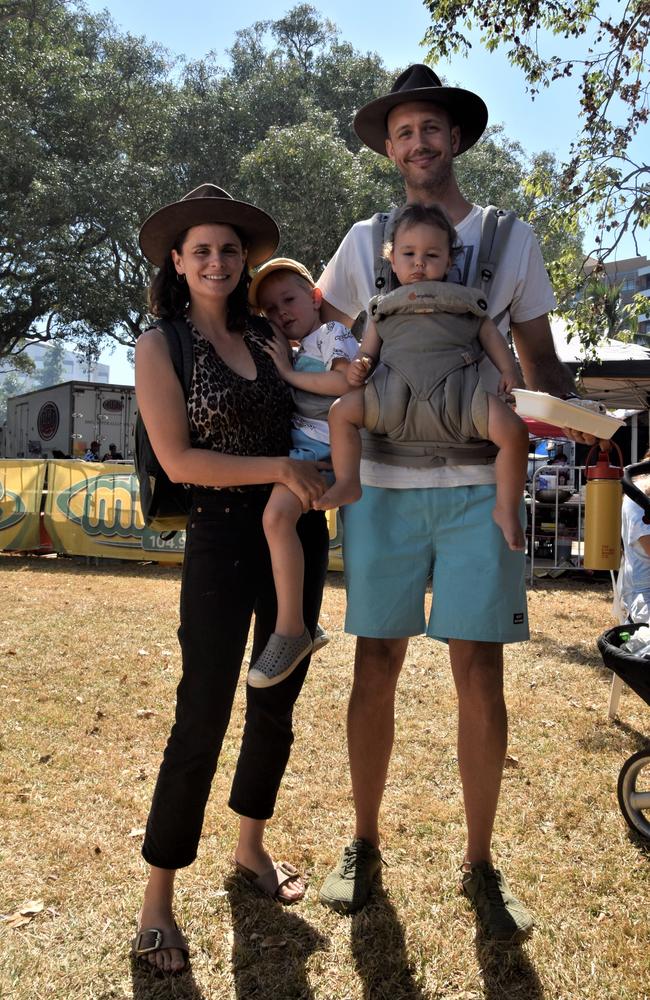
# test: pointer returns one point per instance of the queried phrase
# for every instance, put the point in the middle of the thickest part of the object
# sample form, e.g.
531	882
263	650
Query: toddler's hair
428	215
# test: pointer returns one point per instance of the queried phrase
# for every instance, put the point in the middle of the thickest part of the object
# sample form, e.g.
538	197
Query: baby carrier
413	441
425	395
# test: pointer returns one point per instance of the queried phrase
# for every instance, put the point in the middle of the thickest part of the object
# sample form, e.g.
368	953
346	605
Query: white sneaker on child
279	658
321	638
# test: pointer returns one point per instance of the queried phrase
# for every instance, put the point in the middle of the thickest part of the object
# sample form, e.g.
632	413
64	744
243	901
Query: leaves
100	128
24	914
79	101
605	177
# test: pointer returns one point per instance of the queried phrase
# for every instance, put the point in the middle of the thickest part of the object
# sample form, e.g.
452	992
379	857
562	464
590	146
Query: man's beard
432	183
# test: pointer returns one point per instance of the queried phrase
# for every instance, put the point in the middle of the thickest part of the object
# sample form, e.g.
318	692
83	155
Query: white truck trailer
62	420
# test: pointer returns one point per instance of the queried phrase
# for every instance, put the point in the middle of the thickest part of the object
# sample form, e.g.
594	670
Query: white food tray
565	413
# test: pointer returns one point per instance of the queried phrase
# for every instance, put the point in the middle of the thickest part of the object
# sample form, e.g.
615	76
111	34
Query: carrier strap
496	226
382	231
424	454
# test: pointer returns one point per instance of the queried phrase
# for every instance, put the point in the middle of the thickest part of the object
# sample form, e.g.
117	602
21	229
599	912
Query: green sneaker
347	888
501	915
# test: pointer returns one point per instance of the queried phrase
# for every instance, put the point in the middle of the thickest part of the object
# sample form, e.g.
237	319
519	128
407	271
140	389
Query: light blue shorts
394	540
307	448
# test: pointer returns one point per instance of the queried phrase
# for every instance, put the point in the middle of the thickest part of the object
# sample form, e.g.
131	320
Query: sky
395	31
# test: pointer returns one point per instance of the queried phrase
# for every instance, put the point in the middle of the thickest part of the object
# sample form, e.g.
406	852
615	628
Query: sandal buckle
158	938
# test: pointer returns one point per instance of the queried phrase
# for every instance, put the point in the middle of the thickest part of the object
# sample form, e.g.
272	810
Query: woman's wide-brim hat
209	203
419	83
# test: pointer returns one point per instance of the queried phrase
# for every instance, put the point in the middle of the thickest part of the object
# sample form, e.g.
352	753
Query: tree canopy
99	128
606	175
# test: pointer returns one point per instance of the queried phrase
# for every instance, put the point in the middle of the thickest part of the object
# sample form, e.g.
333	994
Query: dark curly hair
169	296
428	215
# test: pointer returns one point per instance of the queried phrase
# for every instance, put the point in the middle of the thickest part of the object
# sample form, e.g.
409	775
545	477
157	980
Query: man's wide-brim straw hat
209	203
419	83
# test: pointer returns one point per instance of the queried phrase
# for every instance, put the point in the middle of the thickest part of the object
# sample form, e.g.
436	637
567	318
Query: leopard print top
231	414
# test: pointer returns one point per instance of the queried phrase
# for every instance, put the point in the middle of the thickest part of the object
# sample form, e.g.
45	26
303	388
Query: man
112	455
421	126
92	454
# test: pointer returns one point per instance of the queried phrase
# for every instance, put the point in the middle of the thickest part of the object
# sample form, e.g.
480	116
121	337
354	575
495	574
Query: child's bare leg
509	433
279	520
345	420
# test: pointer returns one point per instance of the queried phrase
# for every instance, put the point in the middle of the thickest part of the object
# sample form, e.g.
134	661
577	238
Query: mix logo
106	505
12	508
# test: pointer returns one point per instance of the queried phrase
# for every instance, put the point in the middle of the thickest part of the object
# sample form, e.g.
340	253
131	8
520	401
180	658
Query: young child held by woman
283	291
429	336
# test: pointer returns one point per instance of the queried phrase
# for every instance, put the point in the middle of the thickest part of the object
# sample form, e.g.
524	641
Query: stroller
633	783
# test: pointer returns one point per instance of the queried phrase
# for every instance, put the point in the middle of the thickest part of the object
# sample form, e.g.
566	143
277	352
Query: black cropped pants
226	578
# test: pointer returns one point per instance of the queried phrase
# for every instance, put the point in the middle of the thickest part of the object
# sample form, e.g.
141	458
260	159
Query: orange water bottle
603	498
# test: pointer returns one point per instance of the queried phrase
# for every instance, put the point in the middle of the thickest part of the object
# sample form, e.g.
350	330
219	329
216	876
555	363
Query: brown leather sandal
152	939
271	881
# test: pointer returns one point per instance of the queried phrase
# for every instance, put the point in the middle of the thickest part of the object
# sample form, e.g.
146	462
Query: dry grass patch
89	667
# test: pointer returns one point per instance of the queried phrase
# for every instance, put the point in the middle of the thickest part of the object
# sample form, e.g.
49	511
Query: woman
229	440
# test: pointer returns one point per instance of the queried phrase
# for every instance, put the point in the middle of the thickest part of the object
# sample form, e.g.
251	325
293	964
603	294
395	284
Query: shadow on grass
379	951
640	740
508	973
574	582
335	580
149	985
271	946
641	843
577	655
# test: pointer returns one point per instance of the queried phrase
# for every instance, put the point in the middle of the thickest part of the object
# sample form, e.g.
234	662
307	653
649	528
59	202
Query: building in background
631	277
73	368
53	365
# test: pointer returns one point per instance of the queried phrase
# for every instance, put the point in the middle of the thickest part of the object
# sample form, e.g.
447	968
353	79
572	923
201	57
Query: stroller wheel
634	792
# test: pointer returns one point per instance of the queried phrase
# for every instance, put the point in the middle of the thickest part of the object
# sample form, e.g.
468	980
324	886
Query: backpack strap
382	231
181	349
496	226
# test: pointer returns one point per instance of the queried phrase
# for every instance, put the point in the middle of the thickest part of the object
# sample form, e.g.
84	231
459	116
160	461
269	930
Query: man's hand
581	438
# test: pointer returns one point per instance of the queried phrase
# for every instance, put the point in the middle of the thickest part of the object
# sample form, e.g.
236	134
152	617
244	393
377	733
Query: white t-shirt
316	353
521	287
634	582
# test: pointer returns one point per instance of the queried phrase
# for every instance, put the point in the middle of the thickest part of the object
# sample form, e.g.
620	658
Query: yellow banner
21	491
335	525
93	509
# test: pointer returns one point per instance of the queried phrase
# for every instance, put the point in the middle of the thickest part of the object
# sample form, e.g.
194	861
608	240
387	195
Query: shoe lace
354	855
491	877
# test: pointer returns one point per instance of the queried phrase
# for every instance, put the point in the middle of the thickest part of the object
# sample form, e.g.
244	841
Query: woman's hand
305	480
278	349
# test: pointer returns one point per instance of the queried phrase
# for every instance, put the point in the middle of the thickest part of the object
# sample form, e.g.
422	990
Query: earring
180	277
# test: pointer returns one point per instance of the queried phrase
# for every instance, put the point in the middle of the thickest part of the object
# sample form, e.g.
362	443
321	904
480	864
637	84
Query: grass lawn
89	664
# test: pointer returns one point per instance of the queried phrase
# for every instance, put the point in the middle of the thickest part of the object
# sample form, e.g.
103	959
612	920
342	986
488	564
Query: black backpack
165	505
